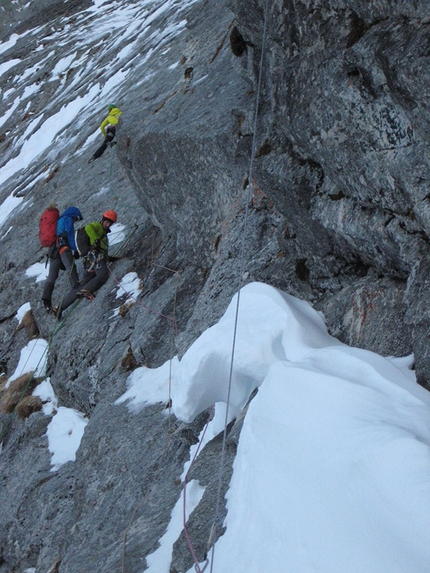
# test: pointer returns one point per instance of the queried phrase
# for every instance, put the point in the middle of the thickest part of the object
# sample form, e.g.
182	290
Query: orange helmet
111	215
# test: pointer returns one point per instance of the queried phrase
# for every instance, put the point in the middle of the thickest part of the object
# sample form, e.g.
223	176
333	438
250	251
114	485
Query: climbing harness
91	262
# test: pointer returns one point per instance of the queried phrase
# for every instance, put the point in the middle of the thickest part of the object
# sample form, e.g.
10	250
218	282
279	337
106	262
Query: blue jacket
66	227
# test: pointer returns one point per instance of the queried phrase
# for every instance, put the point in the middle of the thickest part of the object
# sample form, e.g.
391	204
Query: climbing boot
57	312
47	305
83	293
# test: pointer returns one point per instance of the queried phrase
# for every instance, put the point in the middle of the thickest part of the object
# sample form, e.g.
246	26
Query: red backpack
48	226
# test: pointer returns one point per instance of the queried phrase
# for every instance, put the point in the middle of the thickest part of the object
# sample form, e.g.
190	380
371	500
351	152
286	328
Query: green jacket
96	233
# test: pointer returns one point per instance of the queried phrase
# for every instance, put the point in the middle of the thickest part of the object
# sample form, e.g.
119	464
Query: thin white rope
241	273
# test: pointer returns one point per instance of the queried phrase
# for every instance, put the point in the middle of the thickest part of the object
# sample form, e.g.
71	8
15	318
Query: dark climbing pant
64	262
110	136
91	281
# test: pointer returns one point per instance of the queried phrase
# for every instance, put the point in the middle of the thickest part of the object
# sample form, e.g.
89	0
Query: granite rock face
325	196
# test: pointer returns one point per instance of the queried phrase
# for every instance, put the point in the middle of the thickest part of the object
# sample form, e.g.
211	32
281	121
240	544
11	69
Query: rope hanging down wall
216	521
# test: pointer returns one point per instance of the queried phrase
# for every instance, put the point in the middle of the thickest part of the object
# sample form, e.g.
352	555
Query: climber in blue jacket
62	254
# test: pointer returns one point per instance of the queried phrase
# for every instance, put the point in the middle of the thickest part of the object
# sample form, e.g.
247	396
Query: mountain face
284	142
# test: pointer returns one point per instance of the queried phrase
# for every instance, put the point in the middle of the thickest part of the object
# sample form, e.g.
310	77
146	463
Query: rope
187	535
124	244
125	227
172	319
170	429
211	540
124	542
172	340
241	272
166	268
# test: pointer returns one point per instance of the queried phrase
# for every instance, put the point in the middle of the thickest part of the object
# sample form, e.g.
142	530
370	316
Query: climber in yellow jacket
108	129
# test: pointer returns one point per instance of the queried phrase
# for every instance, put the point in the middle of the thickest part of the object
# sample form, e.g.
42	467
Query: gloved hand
76	255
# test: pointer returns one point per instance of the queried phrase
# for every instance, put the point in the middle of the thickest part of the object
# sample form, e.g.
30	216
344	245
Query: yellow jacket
112	119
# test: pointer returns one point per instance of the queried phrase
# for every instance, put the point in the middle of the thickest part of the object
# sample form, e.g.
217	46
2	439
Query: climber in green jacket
96	271
108	129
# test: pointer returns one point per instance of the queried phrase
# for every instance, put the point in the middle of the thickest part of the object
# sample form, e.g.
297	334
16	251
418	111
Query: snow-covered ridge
334	451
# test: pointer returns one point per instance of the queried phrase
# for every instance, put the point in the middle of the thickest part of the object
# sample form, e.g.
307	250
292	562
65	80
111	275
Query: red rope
173	320
187	535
